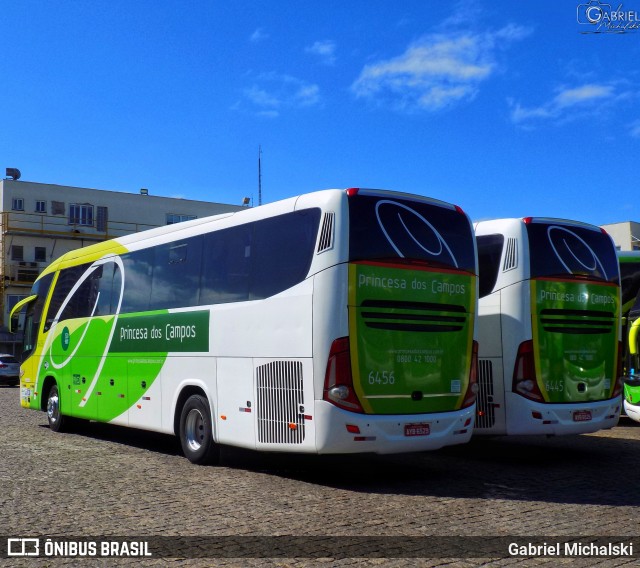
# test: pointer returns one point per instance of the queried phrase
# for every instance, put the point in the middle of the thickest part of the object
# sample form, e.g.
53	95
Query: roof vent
13	173
144	191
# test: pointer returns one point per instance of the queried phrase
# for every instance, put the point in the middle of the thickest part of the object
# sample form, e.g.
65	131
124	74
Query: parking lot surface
106	483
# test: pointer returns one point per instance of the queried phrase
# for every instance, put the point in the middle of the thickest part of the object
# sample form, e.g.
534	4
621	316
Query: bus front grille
280	403
577	321
485	415
413	316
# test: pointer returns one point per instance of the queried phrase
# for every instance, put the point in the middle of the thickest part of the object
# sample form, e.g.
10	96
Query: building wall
625	235
37	226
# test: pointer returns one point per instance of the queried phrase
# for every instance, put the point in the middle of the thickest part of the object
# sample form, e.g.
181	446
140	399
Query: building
625	235
40	222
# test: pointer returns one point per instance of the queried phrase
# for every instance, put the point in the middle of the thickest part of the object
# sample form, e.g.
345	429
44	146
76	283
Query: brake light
472	389
338	380
617	389
524	373
352	191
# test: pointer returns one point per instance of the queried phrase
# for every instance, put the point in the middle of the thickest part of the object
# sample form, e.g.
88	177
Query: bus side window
226	266
489	254
283	250
66	280
176	274
34	314
137	283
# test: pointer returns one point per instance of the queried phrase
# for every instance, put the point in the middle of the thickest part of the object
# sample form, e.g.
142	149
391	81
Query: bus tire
57	422
196	431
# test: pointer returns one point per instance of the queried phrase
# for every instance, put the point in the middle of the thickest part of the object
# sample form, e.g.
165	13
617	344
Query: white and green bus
549	328
334	322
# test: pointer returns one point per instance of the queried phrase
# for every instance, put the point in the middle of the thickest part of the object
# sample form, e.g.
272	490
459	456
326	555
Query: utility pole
259	176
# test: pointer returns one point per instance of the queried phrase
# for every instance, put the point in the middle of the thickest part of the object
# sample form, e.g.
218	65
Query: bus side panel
490	417
264	372
279	326
234	414
516	326
145	410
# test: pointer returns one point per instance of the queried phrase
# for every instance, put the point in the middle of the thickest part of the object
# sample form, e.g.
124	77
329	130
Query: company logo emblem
412	234
65	338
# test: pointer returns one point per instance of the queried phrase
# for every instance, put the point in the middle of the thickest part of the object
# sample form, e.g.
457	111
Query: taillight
617	389
524	373
338	381
472	389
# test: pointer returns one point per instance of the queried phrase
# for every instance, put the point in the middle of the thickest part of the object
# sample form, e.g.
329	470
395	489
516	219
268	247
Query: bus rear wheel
196	431
57	421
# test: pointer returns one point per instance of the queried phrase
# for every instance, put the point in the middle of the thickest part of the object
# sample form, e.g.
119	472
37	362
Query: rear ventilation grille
280	403
586	322
510	255
395	315
485	416
326	233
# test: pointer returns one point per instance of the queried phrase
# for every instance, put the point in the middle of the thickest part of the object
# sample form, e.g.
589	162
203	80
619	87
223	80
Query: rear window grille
510	255
326	234
485	415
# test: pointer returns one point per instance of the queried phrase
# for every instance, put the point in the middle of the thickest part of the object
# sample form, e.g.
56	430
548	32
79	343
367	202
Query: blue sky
504	108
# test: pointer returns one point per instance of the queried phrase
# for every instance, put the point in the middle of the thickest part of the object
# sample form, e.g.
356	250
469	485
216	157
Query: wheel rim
194	430
53	407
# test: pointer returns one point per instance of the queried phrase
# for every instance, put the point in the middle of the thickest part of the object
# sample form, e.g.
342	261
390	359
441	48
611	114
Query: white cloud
568	101
258	36
325	50
273	92
436	71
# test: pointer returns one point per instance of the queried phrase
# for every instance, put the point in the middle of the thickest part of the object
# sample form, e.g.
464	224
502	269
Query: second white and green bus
334	322
630	281
549	328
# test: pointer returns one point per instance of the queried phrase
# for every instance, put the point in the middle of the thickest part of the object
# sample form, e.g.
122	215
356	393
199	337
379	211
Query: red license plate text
422	429
582	416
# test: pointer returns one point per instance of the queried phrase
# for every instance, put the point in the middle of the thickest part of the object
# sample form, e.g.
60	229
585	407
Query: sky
505	108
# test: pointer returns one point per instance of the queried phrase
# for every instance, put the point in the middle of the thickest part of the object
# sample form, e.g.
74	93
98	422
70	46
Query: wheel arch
185	393
47	383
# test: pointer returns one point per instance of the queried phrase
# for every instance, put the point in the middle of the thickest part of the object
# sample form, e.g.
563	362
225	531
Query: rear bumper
528	417
385	434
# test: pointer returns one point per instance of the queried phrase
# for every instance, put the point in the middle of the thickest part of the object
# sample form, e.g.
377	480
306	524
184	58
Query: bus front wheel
196	432
56	420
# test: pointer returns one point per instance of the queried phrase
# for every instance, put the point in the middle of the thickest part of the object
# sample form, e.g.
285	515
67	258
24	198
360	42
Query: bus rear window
558	250
390	228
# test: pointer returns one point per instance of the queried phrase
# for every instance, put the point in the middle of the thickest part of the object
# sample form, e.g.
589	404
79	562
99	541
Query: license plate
582	416
421	429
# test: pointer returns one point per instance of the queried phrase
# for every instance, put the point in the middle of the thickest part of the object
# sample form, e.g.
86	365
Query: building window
41	254
173	218
17	204
17	252
81	214
102	219
41	206
57	207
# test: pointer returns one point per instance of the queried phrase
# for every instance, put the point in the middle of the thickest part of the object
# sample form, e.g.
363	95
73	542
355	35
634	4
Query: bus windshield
413	230
571	251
